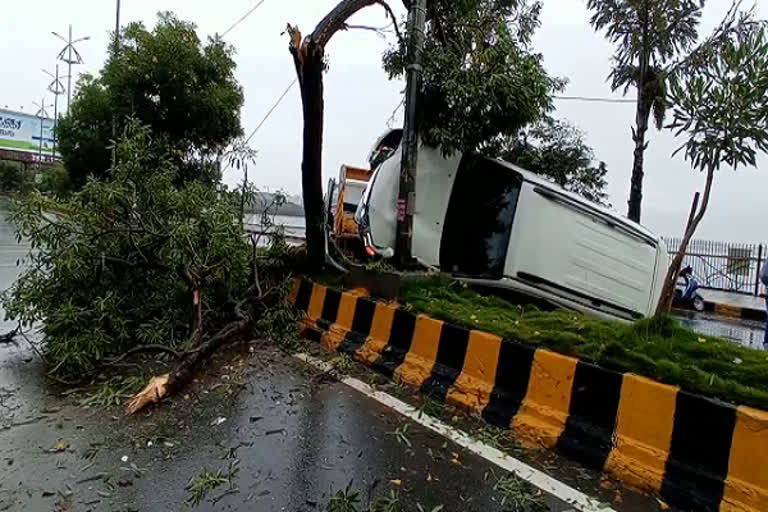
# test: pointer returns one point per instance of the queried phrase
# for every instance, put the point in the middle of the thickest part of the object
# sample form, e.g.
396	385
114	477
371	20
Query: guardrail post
759	267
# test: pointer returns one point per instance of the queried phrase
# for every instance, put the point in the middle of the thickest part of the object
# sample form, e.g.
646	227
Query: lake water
294	226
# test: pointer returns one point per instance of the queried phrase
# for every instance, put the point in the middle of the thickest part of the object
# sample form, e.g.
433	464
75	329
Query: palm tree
649	35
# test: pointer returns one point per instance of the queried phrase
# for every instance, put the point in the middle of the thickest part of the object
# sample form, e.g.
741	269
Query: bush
10	176
138	260
56	181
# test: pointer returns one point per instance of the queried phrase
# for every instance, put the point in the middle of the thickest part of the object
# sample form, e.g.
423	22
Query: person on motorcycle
686	274
764	279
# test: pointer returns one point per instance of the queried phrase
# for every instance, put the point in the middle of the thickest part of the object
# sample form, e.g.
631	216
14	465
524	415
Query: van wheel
698	304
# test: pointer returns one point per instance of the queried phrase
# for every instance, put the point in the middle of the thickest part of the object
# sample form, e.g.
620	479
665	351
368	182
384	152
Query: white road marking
573	497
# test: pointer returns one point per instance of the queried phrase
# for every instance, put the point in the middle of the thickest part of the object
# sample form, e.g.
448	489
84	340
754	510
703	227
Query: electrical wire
243	18
595	99
271	110
391	118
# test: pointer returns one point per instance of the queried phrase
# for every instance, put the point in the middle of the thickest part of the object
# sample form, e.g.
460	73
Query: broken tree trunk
309	67
168	384
309	59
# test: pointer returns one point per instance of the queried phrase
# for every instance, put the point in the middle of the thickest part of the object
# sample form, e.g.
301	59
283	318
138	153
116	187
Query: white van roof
543	182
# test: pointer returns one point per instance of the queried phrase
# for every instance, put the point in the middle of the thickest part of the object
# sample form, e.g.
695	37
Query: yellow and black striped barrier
694	452
731	310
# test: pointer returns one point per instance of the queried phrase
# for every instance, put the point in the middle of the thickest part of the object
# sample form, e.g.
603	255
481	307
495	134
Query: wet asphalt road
744	332
296	439
296	434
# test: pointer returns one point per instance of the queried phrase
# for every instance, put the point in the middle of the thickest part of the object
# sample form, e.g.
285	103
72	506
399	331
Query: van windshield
478	223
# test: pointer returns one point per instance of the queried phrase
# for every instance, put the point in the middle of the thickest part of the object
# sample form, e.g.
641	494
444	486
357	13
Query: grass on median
657	348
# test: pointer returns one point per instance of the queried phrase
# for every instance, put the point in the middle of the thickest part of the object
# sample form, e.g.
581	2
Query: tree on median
649	36
556	150
720	99
184	90
481	81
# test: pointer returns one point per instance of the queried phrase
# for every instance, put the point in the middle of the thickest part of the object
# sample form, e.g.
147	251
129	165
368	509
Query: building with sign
26	138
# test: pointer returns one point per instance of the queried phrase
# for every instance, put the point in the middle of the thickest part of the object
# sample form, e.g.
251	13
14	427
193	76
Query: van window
386	148
478	223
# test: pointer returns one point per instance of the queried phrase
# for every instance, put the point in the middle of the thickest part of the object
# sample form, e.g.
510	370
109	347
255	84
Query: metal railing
724	266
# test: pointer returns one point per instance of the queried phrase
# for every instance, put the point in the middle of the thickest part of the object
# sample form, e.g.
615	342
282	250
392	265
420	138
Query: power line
271	110
391	118
243	18
595	99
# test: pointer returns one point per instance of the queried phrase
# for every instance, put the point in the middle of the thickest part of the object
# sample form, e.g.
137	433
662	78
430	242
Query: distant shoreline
288	209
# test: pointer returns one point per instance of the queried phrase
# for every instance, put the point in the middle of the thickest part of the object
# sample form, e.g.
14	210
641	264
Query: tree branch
255	269
391	14
168	384
145	348
335	20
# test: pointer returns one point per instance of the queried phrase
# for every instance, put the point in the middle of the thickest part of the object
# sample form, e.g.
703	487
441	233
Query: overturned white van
495	224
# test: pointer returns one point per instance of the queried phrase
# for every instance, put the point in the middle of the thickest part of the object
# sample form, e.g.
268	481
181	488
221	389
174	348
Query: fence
723	265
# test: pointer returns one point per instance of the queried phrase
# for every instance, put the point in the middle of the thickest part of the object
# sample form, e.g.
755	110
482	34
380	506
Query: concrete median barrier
694	452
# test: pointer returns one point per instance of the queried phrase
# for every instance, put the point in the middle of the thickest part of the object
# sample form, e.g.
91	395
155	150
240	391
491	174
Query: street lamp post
56	88
42	113
70	55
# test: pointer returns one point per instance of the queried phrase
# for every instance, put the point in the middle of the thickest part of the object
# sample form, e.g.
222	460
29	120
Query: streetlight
42	113
56	87
70	55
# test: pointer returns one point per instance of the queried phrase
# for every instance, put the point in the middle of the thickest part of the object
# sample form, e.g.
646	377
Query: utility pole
116	52
406	200
56	88
117	27
70	55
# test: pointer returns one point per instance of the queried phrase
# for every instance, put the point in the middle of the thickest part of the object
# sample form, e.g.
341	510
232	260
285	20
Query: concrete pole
116	51
69	79
55	110
42	116
410	144
117	27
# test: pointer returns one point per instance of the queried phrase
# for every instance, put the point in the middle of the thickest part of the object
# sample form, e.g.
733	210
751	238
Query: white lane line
556	488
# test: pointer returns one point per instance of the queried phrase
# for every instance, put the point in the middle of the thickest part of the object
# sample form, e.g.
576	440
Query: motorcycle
687	291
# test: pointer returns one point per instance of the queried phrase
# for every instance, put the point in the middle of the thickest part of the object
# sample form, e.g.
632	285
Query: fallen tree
140	265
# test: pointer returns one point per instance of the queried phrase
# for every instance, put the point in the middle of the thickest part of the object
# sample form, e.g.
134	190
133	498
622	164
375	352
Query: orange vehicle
343	198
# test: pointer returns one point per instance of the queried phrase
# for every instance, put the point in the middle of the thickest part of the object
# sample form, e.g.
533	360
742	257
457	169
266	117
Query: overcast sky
360	99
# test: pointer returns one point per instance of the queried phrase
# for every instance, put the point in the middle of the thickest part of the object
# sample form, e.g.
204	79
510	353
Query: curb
695	452
729	310
717	308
